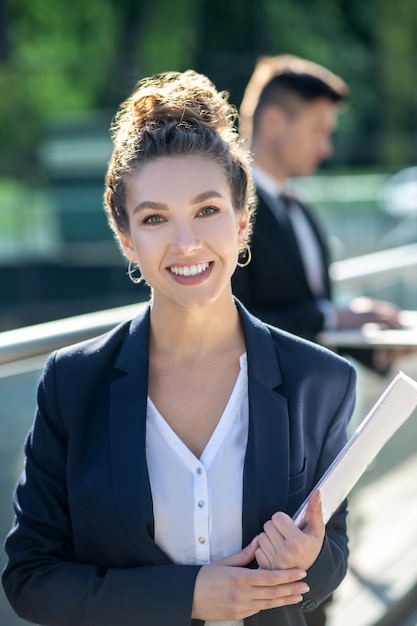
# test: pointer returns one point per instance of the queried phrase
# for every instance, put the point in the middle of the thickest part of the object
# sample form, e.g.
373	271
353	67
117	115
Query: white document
389	412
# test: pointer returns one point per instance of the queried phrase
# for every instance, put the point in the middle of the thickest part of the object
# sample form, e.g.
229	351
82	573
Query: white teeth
189	270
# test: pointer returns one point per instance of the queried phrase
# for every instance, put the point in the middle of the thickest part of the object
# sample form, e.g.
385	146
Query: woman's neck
197	331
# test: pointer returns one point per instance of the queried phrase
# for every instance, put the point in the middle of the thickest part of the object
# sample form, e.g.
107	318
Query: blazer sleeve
330	568
44	581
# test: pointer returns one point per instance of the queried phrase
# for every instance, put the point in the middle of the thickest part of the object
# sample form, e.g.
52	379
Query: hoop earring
131	268
246	255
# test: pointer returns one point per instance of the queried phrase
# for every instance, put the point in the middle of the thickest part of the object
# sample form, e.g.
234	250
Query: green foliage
395	29
169	41
60	50
66	58
57	60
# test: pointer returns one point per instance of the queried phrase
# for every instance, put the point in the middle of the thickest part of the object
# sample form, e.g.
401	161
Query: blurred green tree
65	58
396	59
55	65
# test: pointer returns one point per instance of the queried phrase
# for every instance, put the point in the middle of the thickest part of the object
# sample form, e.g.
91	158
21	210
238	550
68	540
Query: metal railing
354	274
31	341
351	274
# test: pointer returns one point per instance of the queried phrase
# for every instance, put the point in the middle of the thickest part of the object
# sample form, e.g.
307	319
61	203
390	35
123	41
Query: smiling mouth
189	270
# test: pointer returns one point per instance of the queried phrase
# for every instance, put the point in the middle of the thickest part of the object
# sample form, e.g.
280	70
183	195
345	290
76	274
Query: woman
161	448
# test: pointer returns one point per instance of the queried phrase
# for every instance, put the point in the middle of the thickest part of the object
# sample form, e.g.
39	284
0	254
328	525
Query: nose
185	240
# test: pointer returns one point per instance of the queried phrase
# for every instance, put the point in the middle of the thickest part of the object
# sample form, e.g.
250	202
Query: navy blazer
81	552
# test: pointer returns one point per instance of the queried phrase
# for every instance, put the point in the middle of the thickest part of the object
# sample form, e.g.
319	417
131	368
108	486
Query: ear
243	226
273	121
126	245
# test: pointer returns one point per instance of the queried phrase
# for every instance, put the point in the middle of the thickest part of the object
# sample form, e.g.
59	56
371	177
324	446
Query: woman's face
184	233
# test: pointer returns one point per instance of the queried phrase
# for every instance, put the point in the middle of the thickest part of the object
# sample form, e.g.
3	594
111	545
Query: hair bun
181	97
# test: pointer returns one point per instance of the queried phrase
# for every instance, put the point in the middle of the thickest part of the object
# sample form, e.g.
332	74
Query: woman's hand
283	545
227	590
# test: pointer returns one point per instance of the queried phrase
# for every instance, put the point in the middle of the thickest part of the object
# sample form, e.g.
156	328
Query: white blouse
197	503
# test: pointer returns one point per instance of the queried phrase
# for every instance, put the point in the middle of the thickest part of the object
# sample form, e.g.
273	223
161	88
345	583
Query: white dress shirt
197	503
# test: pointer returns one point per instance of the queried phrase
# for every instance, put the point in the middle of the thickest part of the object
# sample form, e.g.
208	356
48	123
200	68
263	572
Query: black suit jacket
82	553
274	286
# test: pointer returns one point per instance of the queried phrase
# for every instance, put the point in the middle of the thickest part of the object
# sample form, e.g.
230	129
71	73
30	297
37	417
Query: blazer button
308	605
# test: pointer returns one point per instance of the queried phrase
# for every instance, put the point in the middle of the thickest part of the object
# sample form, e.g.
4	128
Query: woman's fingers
315	526
242	558
229	593
283	545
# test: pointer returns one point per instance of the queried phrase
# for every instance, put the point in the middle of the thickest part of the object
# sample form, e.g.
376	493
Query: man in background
288	114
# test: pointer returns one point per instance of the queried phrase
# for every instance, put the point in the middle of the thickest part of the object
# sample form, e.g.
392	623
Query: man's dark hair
279	80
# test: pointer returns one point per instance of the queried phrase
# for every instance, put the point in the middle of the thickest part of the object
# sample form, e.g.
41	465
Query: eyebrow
206	195
148	204
161	206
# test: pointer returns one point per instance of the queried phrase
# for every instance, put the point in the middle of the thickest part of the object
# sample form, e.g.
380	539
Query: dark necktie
281	208
286	200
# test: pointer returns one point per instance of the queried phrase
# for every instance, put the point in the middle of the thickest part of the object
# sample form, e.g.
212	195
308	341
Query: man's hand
367	311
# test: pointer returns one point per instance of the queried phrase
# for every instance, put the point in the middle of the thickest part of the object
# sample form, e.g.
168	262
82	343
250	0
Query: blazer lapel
266	471
265	482
128	400
278	234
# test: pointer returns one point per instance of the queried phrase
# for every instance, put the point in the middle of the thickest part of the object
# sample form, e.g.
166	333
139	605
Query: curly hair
174	114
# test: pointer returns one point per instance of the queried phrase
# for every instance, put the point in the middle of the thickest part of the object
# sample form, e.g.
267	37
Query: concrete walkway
383	538
382	530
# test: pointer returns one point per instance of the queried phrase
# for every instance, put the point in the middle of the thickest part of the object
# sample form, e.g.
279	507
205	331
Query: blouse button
202	539
201	504
199	470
